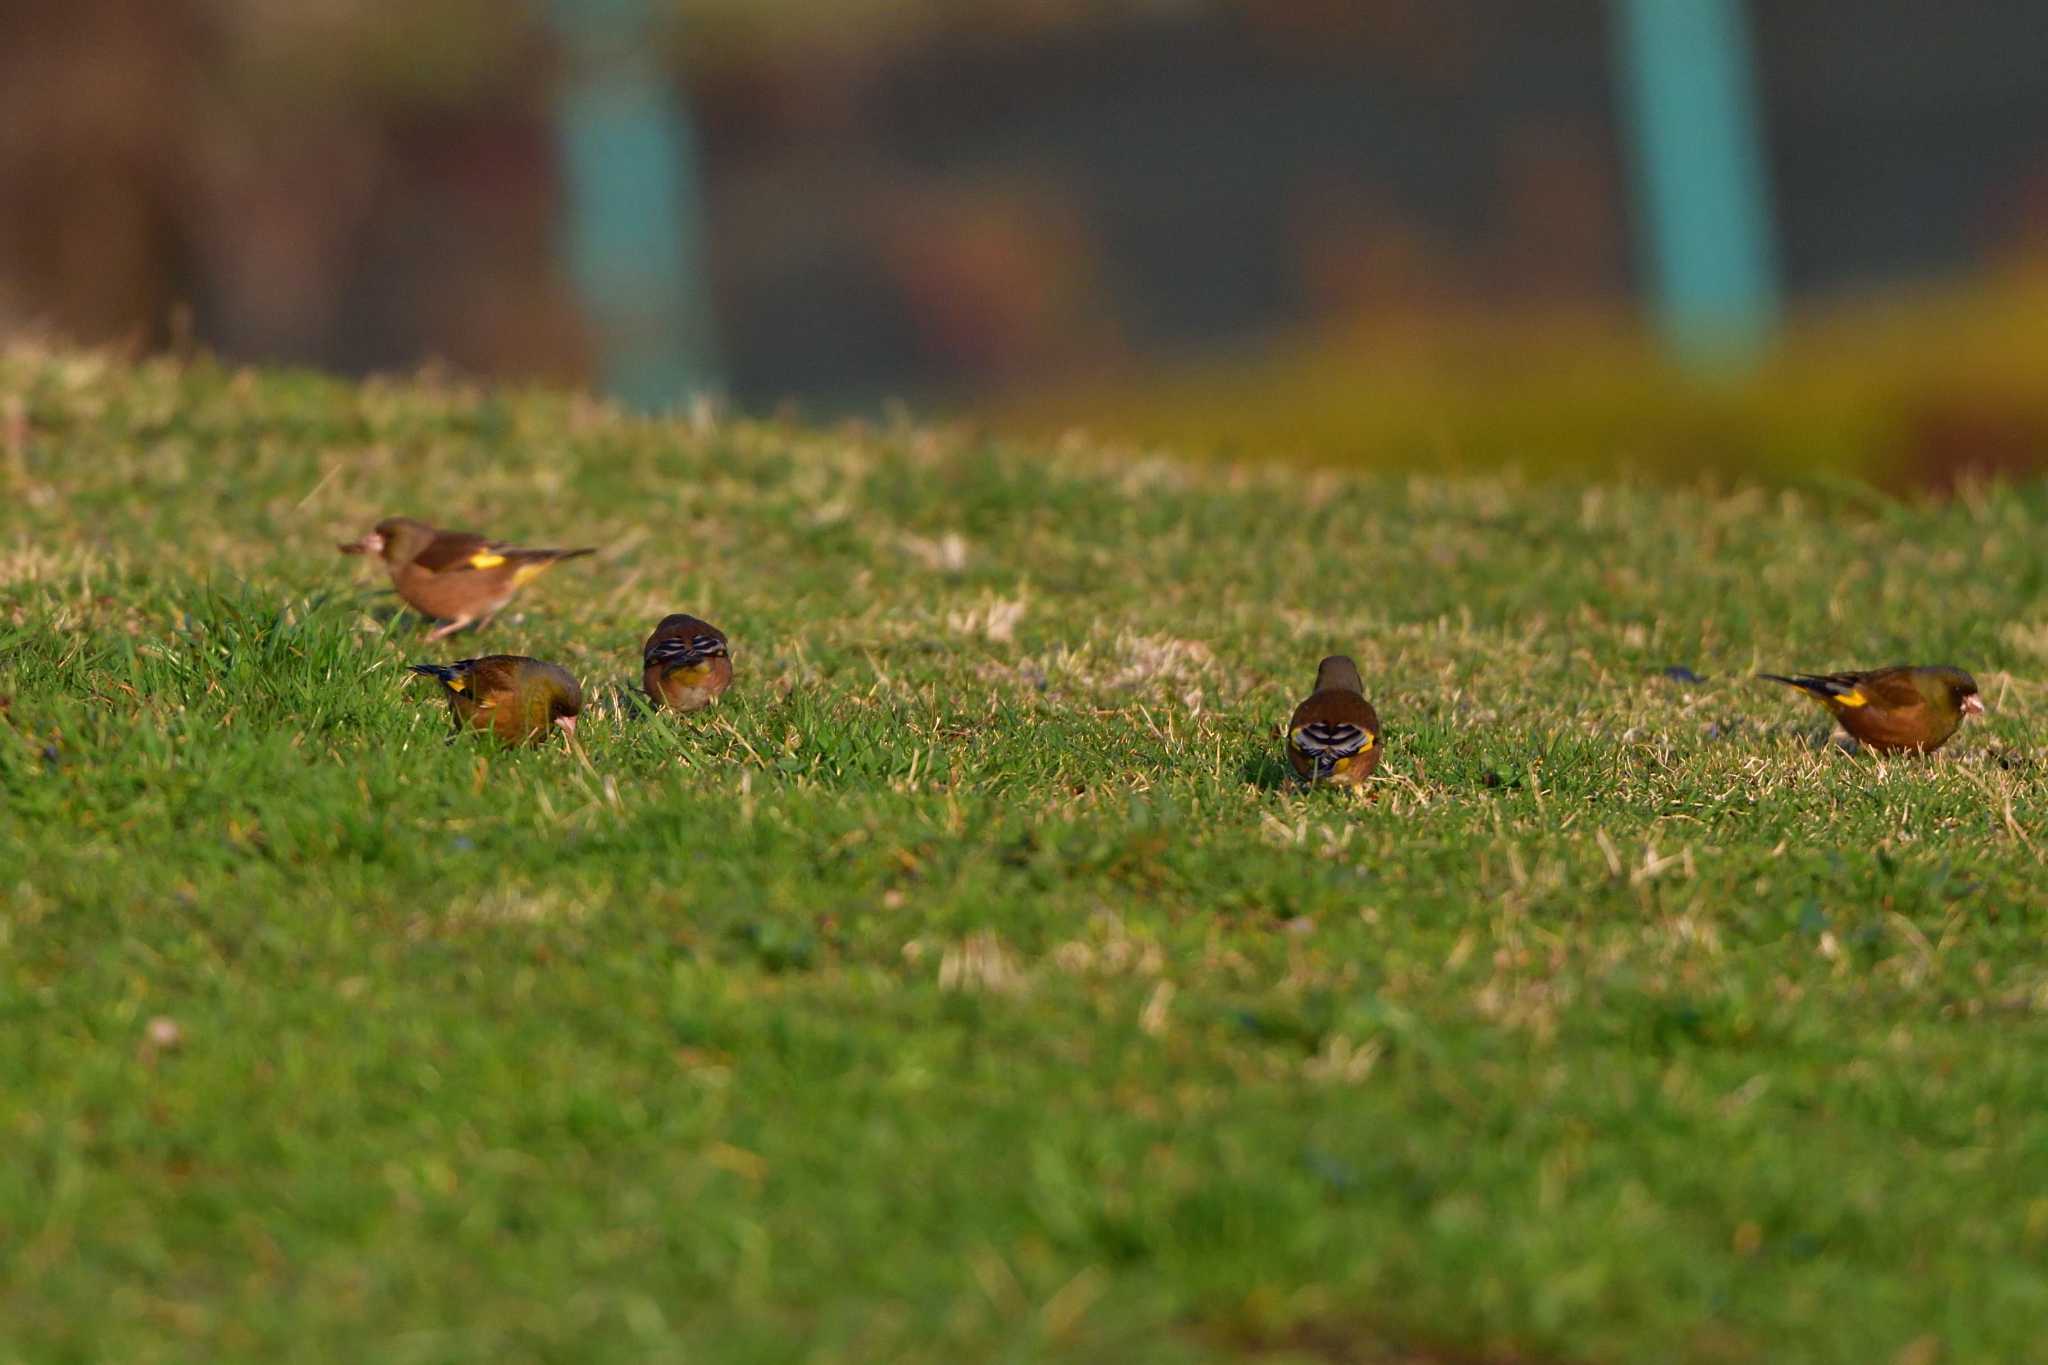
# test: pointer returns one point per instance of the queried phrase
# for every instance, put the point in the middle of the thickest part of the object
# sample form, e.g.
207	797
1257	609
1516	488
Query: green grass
969	986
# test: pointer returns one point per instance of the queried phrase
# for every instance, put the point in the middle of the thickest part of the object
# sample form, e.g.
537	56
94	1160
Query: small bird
1901	709
455	577
685	662
1334	736
522	700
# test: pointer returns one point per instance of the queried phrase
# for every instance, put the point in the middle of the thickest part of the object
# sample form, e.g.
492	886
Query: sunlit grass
969	985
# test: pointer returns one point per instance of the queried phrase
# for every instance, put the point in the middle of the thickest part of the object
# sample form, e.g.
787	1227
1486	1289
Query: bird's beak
370	544
1973	705
568	724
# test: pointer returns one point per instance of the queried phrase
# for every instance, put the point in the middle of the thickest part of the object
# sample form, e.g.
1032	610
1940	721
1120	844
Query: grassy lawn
969	986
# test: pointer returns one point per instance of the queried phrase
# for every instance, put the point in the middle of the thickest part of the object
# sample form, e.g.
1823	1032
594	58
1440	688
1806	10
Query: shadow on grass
622	699
1266	772
1818	741
1341	1343
625	700
1808	737
402	625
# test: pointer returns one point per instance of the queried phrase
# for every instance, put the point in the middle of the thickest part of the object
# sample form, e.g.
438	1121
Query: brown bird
521	700
1901	709
686	665
456	577
1334	736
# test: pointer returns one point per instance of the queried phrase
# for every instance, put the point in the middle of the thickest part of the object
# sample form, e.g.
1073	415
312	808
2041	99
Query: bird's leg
442	632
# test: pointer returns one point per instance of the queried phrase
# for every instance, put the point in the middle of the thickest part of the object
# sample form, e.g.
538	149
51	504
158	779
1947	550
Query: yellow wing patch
1855	698
533	570
486	559
1370	740
458	683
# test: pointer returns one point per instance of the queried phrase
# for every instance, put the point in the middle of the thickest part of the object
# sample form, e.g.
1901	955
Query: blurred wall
927	199
336	182
1907	140
987	208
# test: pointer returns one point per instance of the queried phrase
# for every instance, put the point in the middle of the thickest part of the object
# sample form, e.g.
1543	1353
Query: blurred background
1670	234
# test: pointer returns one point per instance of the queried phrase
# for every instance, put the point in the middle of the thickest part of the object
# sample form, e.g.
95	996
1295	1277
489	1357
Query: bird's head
1338	674
397	539
1962	690
564	698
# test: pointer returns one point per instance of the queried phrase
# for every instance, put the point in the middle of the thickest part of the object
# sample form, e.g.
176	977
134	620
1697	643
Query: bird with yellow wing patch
458	578
520	700
1334	736
1901	709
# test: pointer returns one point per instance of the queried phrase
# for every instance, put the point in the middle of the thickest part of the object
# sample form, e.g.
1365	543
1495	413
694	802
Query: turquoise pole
633	228
1691	105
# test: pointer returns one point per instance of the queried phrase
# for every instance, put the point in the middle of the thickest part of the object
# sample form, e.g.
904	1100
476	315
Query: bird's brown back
1897	716
1898	709
517	697
455	550
1335	707
455	574
1889	687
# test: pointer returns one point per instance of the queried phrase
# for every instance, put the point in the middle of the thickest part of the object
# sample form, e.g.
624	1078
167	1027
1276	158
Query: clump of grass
970	982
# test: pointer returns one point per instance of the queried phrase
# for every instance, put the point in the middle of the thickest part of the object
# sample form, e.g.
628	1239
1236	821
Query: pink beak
568	724
1973	705
371	544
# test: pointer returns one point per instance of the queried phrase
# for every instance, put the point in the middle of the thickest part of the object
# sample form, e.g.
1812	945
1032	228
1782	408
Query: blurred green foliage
1916	390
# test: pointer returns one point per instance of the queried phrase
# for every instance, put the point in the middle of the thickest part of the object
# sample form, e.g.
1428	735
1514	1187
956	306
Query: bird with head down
520	700
1901	709
1334	736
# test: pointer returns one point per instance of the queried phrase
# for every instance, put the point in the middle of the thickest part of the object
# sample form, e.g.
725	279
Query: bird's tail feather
1817	684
